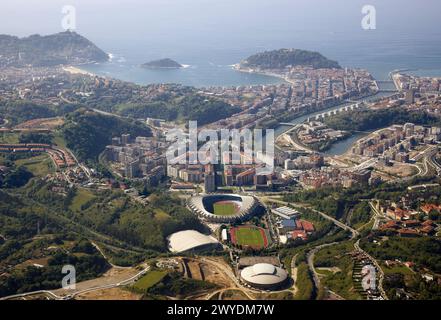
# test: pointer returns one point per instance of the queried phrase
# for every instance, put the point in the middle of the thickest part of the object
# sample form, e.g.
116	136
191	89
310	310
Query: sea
209	36
212	65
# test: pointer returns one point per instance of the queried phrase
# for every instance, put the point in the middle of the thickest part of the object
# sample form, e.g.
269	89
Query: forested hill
365	120
57	49
87	132
279	59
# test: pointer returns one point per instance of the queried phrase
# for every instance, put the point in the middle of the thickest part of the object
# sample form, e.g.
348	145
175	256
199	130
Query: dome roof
264	274
264	268
188	240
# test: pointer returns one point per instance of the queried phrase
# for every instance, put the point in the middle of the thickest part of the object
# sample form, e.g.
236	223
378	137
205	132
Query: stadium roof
249	203
189	240
264	274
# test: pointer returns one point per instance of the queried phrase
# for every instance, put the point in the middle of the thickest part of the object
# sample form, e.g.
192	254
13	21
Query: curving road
311	253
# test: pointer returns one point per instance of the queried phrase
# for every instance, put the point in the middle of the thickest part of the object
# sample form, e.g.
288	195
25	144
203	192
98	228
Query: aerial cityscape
287	175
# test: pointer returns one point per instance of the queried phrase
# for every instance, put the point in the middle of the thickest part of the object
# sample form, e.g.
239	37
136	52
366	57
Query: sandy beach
76	70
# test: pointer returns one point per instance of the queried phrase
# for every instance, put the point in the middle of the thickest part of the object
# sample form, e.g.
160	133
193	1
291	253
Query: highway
376	217
296	145
310	257
338	223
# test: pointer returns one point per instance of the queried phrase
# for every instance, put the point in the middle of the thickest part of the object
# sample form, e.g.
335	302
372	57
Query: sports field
149	280
249	236
224	208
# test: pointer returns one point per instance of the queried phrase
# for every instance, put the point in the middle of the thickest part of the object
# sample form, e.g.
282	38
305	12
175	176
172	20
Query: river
342	146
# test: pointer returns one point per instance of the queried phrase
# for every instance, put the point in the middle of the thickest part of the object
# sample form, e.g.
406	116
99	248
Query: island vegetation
162	64
280	59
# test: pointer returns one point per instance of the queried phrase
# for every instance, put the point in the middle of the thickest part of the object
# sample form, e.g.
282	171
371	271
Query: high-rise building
116	141
210	182
125	138
132	169
410	96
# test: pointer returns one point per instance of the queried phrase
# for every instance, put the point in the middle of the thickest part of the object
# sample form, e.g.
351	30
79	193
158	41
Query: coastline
238	68
76	70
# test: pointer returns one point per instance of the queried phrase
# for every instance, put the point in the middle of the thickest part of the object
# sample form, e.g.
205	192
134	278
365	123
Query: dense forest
109	212
189	107
87	132
88	263
422	251
22	110
365	120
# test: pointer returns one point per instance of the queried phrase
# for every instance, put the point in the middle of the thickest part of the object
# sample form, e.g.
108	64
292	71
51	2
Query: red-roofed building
409	233
427	223
398	214
411	223
427	230
429	207
307	226
390	225
299	234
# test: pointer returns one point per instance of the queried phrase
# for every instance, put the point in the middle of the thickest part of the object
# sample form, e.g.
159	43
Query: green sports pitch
224	209
250	236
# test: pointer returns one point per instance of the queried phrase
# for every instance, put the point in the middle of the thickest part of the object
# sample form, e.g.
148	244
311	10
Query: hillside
279	59
87	132
162	64
42	51
365	120
184	107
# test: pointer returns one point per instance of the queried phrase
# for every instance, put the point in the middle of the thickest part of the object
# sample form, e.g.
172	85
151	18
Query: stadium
191	240
223	208
264	276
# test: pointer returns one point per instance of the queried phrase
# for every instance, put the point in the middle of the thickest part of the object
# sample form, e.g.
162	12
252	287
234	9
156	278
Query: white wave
185	66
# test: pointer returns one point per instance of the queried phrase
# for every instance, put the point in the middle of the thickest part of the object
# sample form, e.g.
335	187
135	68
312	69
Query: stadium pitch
253	237
224	209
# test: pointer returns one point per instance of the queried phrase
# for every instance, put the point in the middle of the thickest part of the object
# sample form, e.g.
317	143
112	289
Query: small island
283	58
162	64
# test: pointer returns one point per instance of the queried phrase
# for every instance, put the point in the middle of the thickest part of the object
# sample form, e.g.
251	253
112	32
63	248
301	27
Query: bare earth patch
109	294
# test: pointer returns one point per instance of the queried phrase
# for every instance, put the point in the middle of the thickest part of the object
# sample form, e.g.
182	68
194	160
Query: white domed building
264	276
191	240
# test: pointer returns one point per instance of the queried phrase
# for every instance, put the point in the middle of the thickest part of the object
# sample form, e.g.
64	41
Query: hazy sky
121	18
225	31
